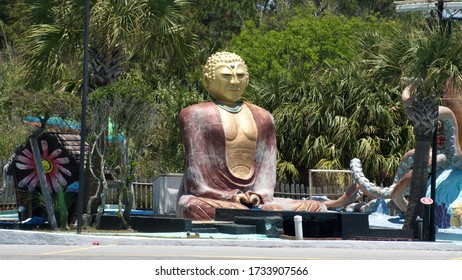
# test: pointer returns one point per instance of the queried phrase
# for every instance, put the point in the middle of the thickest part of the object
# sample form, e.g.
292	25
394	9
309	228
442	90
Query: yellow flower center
47	165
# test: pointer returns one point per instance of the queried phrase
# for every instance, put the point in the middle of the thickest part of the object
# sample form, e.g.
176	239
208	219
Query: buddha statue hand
249	199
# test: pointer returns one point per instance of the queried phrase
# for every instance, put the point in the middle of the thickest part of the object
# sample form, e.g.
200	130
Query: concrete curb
18	237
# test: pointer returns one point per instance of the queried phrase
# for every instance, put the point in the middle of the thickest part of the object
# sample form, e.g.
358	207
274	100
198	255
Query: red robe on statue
207	181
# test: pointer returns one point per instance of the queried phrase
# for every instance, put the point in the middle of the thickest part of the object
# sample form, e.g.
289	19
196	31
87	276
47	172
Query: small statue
456	217
230	148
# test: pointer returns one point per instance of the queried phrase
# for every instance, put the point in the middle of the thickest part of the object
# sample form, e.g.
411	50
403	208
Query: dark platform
16	225
271	226
110	222
160	224
237	229
326	225
205	228
344	225
147	223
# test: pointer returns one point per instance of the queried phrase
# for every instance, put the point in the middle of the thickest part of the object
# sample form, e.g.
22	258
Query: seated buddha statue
230	148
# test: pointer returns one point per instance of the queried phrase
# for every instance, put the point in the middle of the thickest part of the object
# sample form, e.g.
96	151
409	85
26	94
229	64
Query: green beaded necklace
232	109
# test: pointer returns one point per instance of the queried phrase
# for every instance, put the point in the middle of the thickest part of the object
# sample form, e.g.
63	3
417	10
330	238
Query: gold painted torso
241	139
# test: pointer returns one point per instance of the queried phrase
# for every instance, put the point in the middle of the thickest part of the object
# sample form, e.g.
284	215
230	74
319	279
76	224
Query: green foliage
16	102
44	45
141	34
336	117
61	210
167	152
357	7
286	171
223	17
11	24
302	43
216	22
16	99
123	118
434	57
131	107
427	56
13	134
147	118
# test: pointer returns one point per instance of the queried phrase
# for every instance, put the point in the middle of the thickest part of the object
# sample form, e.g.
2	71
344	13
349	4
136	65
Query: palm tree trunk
424	116
418	183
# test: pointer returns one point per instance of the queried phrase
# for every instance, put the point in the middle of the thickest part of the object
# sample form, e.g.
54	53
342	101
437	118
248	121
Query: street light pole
83	120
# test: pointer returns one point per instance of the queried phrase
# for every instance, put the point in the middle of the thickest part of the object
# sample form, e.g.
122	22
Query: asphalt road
29	255
153	252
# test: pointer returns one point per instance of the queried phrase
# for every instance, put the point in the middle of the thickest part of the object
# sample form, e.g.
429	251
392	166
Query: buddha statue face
226	77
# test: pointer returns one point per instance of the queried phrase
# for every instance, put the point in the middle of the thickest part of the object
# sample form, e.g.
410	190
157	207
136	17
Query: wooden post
43	183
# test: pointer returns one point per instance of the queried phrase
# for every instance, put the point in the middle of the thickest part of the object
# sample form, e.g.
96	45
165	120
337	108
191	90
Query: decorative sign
426	200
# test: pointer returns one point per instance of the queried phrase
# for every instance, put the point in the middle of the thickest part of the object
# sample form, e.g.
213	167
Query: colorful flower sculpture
52	165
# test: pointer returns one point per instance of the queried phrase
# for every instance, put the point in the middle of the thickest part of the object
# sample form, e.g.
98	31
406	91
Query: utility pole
83	120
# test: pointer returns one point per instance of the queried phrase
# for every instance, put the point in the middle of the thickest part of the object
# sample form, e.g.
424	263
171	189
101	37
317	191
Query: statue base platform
18	226
153	223
333	225
274	224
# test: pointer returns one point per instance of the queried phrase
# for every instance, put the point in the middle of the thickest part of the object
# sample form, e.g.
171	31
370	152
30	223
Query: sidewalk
180	239
446	239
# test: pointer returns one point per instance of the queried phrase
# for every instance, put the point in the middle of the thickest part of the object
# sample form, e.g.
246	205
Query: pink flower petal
63	170
58	177
26	179
44	148
25	166
48	182
24	159
54	183
63	160
28	153
54	154
33	183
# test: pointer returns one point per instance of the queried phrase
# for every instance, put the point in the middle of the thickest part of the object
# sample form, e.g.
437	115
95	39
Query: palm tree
426	59
434	58
150	34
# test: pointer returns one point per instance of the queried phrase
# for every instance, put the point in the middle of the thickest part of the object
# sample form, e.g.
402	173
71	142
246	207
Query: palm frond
287	172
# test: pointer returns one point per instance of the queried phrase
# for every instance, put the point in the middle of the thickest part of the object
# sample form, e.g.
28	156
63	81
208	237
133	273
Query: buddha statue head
225	77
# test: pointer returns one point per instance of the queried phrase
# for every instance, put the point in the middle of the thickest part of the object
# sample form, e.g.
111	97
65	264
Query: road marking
172	255
163	256
243	257
74	250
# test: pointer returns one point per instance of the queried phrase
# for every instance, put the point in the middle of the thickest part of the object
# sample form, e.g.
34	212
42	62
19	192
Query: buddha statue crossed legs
230	148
